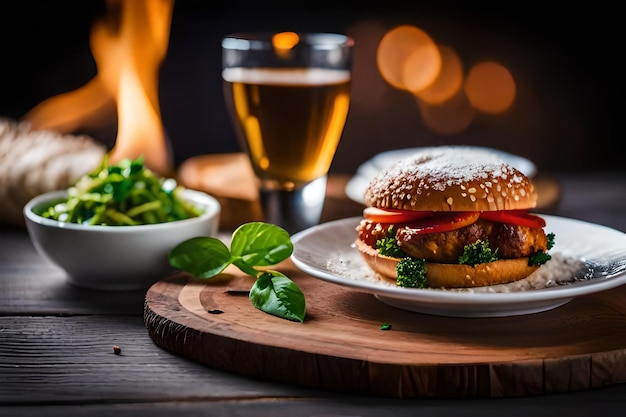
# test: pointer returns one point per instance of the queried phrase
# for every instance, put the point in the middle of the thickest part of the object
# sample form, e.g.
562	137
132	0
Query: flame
128	45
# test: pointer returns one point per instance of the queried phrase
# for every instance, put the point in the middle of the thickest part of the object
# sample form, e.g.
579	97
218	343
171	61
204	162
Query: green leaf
125	188
260	244
550	241
244	267
203	257
478	252
538	258
388	246
411	273
253	245
277	295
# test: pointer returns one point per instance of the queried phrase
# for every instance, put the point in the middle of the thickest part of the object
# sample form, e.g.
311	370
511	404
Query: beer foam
286	76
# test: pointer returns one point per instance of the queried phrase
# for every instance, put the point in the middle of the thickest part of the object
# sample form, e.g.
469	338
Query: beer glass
288	96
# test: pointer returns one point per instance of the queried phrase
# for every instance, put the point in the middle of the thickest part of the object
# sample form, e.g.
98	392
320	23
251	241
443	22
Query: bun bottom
452	275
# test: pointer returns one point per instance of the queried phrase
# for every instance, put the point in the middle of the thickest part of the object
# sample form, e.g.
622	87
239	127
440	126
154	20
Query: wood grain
70	360
341	346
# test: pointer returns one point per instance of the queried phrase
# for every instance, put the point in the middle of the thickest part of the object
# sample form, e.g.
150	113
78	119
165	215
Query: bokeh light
449	117
408	58
448	82
285	40
490	87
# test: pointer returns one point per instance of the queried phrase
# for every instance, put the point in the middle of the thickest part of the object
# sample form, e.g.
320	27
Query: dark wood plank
609	401
31	285
56	360
340	346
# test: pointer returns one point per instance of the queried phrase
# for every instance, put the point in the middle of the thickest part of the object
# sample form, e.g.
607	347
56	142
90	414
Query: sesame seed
436	169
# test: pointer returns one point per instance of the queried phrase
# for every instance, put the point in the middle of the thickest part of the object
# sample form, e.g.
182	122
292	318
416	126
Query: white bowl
115	257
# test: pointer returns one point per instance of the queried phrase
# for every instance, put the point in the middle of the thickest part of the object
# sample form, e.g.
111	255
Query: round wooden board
341	346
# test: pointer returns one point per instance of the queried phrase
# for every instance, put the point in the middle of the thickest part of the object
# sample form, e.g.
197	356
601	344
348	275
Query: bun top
451	179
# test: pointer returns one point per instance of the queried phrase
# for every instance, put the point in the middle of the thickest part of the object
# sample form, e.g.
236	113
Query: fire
128	45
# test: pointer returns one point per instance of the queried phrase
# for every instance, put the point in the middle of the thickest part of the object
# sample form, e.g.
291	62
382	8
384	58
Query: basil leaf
279	296
253	245
260	244
244	267
202	257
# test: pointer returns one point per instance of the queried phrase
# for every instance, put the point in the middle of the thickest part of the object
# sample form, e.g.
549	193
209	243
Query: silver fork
607	267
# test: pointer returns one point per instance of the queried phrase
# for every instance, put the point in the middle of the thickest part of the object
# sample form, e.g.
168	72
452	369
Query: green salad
123	194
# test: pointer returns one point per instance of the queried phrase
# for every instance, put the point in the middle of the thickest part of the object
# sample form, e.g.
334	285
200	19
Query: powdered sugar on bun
451	179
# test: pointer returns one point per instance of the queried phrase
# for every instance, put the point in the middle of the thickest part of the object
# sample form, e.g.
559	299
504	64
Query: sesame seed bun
448	180
443	180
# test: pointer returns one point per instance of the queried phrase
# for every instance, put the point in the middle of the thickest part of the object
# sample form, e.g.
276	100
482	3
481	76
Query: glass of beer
288	95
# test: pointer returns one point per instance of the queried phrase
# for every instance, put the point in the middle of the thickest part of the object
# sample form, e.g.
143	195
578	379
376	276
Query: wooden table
57	346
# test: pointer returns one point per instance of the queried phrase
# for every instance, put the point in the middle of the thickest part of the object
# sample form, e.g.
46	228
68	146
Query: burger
452	218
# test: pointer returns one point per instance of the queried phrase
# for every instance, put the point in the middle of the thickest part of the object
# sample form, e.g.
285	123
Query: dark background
564	59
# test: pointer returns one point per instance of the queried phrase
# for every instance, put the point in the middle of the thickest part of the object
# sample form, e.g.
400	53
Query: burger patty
510	241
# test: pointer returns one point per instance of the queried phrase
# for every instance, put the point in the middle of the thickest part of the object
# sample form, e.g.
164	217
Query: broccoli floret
411	273
478	252
540	257
388	246
550	243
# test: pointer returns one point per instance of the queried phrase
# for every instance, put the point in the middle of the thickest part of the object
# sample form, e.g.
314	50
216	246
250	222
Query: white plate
356	185
327	252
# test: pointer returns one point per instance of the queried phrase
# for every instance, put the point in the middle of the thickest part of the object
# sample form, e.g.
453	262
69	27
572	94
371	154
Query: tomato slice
515	217
379	215
443	222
